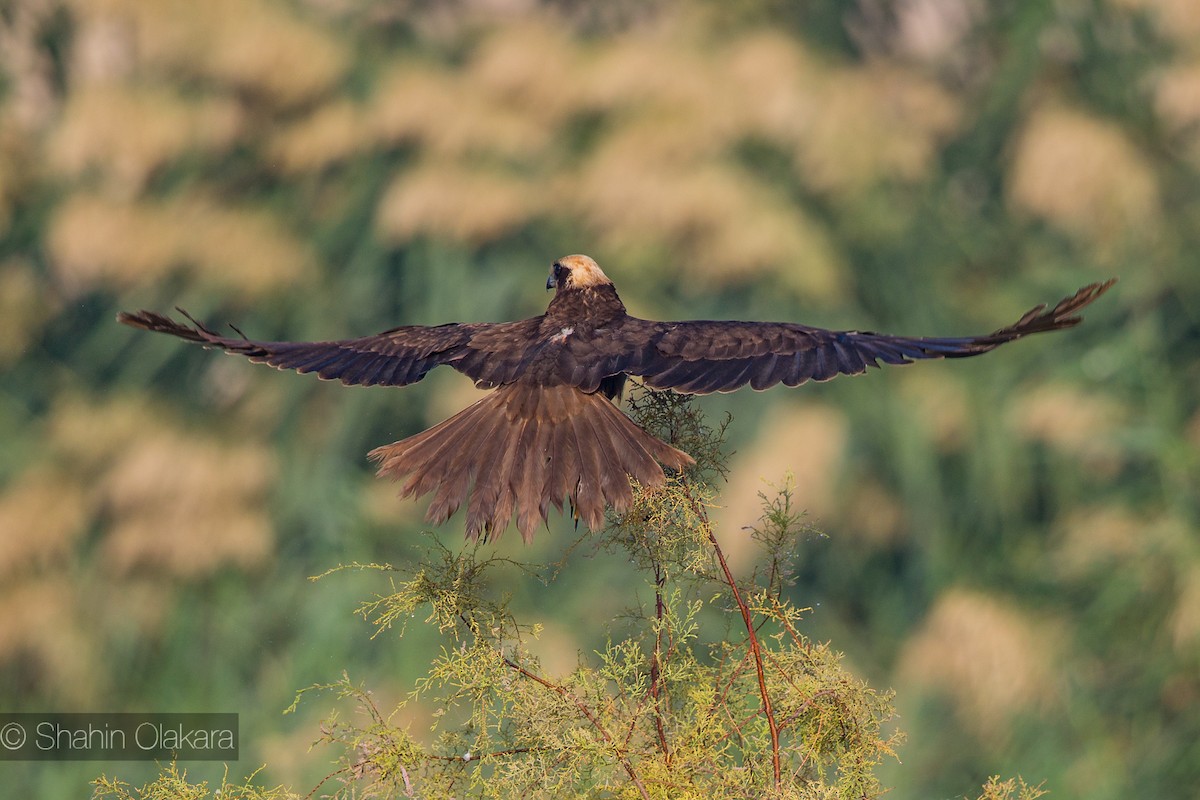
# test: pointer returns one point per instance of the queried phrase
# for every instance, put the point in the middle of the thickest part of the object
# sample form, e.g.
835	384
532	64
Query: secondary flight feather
549	433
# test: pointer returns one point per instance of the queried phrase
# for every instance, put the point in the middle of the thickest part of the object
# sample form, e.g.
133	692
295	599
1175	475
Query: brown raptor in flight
549	433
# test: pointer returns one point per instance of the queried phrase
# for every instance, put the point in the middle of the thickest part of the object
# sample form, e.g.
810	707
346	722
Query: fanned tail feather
524	448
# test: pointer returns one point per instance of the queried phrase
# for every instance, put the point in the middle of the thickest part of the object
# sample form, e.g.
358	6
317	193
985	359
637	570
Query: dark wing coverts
714	356
691	357
490	353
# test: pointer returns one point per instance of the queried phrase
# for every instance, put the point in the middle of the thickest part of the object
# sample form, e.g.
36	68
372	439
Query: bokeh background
1013	541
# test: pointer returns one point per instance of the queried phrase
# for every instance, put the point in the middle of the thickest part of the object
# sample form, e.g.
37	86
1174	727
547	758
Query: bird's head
575	272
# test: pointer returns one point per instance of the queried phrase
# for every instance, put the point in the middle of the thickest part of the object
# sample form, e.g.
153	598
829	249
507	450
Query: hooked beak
551	282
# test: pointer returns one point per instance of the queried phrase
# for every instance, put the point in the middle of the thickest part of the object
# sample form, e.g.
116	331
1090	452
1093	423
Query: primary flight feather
550	432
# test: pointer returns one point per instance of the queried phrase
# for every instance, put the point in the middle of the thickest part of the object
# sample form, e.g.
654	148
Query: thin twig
807	704
587	712
733	676
497	754
408	787
325	780
657	690
777	608
634	718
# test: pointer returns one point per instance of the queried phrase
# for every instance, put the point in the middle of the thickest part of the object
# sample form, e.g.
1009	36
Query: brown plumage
549	434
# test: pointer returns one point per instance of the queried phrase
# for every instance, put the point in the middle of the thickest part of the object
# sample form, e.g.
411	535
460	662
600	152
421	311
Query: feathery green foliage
173	784
668	708
1011	789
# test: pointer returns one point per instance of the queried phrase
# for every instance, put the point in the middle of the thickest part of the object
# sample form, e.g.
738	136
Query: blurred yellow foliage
987	656
1177	103
1112	536
95	241
1083	175
1078	423
1099	536
25	306
257	46
774	80
661	168
532	67
1185	619
806	441
873	123
40	621
187	506
90	432
472	206
451	116
724	226
330	133
656	69
1178	20
42	515
129	132
1177	98
176	504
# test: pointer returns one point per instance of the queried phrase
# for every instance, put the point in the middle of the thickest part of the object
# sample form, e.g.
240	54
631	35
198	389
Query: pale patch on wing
562	335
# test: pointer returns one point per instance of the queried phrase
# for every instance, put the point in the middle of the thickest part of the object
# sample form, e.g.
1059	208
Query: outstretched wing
489	353
710	356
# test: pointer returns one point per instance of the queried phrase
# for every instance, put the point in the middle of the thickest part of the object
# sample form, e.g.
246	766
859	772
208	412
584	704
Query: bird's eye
557	269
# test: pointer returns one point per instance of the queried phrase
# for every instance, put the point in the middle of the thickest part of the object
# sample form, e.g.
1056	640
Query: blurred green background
1012	540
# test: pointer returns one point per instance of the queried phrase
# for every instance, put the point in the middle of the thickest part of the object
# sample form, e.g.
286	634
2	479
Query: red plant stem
768	711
